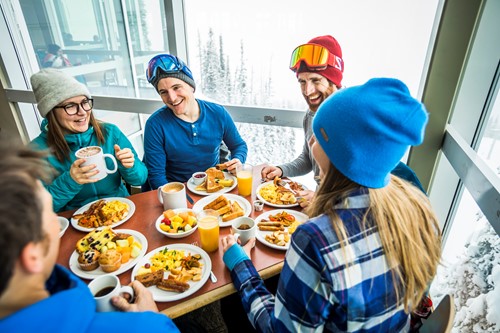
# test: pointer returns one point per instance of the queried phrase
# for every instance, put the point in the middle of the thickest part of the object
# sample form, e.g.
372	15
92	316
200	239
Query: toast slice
219	202
212	185
202	186
236	211
224	209
217	174
221	166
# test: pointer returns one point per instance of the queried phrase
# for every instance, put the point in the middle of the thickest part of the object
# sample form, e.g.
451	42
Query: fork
286	185
213	278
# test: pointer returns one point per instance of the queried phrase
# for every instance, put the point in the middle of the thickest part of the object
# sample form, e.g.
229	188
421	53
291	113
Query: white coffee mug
94	155
104	287
172	195
243	228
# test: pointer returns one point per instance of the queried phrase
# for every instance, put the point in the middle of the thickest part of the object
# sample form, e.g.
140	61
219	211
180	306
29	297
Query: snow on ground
473	277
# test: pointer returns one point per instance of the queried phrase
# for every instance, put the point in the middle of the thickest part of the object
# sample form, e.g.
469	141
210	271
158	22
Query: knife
189	199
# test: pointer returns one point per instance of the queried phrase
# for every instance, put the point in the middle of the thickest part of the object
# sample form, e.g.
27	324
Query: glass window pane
470	269
87	39
235	64
489	148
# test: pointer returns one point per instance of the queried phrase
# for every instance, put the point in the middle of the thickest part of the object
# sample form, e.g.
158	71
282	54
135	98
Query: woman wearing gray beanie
70	125
372	244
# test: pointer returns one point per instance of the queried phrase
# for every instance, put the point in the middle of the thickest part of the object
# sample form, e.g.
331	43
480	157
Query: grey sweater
305	162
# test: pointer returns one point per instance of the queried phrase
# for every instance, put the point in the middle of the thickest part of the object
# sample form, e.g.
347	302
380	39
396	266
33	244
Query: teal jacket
68	194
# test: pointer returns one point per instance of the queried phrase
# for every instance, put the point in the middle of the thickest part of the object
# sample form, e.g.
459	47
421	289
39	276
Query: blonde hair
55	136
407	227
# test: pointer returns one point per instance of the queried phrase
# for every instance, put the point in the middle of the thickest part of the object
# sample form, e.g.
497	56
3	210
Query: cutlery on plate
286	185
213	278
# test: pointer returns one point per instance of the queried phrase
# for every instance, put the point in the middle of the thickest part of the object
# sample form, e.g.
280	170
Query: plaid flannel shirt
316	291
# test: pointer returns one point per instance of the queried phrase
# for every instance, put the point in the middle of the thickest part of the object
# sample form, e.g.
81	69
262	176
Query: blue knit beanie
365	130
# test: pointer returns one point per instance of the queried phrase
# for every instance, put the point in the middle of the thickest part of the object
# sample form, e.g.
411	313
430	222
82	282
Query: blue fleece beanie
365	130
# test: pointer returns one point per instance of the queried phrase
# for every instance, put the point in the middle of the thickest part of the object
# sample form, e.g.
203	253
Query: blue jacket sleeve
232	138
155	155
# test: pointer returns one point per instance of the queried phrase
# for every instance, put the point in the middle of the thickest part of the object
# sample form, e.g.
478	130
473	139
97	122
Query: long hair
20	204
55	136
407	227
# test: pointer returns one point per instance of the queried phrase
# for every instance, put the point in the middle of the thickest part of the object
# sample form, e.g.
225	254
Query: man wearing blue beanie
365	258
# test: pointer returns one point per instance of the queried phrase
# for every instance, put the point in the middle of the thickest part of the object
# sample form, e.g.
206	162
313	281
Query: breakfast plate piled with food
276	227
216	181
174	271
103	212
229	207
177	223
274	194
104	250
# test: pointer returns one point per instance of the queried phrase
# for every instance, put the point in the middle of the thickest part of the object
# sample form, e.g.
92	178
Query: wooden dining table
268	261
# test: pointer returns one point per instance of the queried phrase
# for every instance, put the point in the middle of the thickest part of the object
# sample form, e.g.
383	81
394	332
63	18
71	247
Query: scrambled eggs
271	194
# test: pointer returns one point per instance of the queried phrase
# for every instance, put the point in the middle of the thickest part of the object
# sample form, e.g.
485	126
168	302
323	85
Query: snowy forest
227	83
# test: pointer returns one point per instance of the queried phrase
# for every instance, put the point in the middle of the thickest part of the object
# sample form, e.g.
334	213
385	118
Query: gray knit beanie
180	75
52	87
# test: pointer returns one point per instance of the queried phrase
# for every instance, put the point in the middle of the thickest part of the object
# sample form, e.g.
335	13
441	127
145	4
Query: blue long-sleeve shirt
68	194
316	292
174	149
71	308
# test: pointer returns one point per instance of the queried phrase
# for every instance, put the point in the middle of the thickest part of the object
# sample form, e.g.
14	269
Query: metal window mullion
479	179
130	48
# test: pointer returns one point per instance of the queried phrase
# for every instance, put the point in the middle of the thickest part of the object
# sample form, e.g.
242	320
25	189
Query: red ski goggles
316	57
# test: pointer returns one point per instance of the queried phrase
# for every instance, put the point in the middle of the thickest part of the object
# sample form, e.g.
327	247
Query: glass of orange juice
244	174
208	227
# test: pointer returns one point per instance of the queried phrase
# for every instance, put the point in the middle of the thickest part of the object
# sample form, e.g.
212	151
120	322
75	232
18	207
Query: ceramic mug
243	228
104	287
94	155
172	195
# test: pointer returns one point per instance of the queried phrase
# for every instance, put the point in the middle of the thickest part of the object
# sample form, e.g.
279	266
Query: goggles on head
316	57
167	64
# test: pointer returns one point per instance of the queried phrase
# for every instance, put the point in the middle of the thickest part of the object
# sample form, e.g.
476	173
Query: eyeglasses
167	64
72	108
315	56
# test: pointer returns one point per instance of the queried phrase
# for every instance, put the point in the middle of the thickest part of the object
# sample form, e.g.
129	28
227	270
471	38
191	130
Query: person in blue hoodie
69	125
36	295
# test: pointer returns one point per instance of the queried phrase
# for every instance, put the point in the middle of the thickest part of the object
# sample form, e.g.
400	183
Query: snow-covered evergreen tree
473	280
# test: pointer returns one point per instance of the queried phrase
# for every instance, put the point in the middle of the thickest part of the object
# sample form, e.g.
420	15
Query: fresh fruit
122	242
177	223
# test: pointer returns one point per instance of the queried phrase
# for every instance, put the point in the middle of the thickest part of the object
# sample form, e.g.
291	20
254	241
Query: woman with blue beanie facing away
70	125
372	245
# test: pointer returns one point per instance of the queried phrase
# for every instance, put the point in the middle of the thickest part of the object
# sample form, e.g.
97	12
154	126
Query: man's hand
232	165
143	300
125	156
270	172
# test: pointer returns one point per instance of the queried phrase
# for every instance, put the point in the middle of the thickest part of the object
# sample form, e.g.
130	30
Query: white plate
261	235
75	267
198	206
63	225
74	222
267	202
192	187
170	235
168	296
